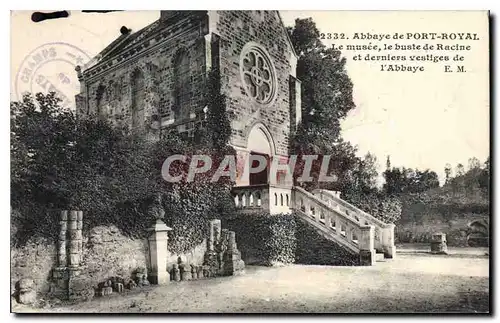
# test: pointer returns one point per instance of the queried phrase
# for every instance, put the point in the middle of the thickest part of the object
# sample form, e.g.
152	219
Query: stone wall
107	252
420	230
110	81
36	260
207	39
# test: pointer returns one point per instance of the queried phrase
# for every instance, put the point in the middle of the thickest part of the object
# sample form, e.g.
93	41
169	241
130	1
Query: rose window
257	73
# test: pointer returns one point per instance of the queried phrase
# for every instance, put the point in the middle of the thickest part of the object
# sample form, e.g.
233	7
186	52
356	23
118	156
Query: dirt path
408	284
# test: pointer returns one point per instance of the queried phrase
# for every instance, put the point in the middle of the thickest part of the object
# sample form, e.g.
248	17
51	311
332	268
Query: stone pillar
208	52
61	245
366	246
69	254
438	243
388	241
74	239
158	253
214	234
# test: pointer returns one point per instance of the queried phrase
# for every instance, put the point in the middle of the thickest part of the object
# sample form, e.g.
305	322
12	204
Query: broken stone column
367	245
75	238
61	243
67	284
438	243
233	264
158	253
211	259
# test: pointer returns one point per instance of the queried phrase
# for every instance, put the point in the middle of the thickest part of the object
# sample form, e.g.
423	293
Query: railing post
366	246
388	241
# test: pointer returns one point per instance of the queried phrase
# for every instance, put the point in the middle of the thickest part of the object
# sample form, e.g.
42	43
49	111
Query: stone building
154	79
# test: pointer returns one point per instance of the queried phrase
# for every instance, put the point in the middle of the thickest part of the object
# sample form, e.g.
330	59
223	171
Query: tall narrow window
101	90
182	88
138	96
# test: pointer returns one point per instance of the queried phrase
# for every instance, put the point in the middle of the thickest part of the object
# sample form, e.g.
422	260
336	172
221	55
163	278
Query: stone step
379	257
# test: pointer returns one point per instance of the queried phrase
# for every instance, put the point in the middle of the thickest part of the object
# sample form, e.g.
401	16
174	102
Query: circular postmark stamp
51	68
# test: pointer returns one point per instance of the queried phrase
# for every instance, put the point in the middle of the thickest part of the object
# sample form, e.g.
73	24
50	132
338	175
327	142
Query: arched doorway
260	142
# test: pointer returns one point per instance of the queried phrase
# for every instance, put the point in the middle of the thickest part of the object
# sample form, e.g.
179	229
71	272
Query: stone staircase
335	219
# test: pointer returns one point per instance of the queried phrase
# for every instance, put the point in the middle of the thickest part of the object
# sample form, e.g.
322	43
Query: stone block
63	225
438	243
118	287
25	284
72	225
74	259
175	273
28	297
131	284
62	235
64	215
73	215
367	257
75	235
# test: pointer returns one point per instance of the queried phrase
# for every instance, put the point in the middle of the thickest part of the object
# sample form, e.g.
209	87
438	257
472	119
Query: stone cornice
147	45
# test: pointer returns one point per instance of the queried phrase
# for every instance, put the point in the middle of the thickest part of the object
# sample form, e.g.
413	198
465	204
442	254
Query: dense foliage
284	239
60	162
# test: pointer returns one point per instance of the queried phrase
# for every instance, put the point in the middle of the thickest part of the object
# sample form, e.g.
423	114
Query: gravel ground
410	283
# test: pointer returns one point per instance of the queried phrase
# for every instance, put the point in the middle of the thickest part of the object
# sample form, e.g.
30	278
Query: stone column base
160	278
390	252
367	257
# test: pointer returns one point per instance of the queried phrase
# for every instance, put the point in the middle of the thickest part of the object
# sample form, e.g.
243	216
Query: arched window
275	199
138	96
182	83
287	200
101	90
259	201
281	199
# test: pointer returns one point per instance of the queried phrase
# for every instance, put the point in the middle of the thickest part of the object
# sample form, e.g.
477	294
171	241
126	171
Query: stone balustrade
344	229
275	199
351	227
383	232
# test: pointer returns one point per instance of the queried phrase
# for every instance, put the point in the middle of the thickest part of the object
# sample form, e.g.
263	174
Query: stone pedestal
438	243
222	257
367	246
158	253
388	241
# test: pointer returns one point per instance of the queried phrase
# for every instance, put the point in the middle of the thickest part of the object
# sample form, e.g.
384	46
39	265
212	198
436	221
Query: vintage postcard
250	162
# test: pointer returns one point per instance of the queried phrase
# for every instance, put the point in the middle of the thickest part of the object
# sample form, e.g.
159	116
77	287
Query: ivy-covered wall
265	239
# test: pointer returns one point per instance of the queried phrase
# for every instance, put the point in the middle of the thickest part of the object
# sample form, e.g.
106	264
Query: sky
422	120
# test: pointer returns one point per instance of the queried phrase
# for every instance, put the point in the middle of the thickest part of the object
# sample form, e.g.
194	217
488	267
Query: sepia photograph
259	161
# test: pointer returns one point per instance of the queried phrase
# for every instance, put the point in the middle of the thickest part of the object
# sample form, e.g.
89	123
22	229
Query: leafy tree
61	162
474	163
459	170
326	90
447	171
407	180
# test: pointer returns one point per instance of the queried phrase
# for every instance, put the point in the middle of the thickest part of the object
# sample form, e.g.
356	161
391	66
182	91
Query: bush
281	239
263	238
60	162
